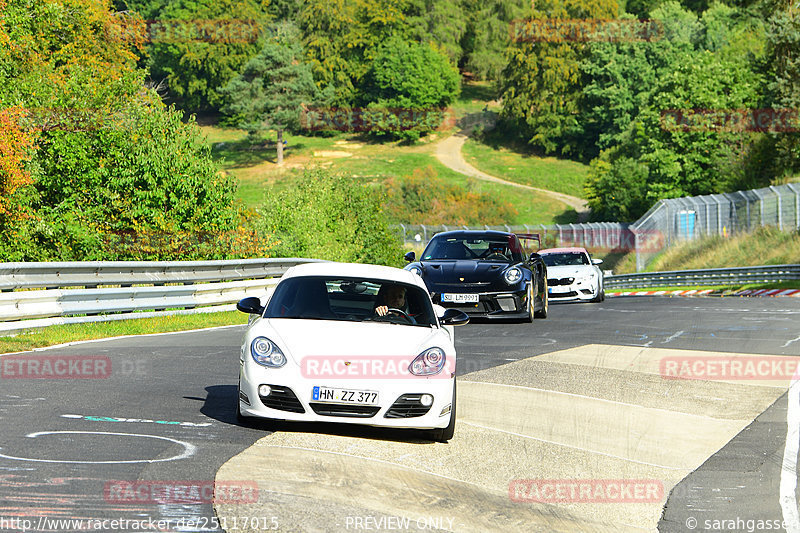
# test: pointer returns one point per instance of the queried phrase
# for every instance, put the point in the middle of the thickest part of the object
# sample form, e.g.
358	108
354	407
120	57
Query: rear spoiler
531	237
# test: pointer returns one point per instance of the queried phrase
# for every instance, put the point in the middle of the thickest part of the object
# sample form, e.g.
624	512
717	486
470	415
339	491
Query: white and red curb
749	292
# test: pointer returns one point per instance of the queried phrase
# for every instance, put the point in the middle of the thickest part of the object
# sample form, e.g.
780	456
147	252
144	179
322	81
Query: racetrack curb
712	292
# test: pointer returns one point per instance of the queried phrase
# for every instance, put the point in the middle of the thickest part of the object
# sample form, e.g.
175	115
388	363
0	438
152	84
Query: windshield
565	259
350	299
485	248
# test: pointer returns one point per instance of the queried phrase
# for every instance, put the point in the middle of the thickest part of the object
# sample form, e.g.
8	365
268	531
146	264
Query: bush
330	217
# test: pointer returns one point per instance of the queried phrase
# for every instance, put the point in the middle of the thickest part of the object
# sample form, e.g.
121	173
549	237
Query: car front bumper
583	290
499	305
292	399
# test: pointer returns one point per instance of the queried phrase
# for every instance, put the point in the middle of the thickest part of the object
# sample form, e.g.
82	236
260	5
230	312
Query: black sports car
484	273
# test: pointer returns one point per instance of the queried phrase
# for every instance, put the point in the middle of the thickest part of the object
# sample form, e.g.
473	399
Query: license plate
461	298
330	395
558	290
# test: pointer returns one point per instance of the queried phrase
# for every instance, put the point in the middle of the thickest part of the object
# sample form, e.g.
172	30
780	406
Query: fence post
796	205
780	206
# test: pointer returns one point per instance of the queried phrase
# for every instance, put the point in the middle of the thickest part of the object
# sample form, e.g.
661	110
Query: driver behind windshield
391	297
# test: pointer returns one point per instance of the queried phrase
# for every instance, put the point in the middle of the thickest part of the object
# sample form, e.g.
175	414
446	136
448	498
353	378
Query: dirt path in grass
448	152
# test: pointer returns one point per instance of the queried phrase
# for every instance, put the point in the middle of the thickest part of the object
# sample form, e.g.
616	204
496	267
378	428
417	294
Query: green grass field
511	163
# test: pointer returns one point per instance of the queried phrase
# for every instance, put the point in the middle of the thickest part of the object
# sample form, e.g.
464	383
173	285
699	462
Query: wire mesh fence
682	219
667	223
611	236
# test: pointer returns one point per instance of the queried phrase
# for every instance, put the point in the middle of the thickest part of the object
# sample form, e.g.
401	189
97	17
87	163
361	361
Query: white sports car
573	275
350	343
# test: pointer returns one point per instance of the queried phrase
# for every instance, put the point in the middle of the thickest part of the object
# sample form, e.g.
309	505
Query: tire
545	303
601	295
530	315
445	434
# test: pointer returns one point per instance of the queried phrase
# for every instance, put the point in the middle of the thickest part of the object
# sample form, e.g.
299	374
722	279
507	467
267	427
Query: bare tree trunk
280	147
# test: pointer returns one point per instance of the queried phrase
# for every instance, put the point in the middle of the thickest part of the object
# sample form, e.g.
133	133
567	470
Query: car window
479	248
566	259
346	299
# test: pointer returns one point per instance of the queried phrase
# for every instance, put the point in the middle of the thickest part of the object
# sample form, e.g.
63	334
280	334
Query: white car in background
573	275
324	349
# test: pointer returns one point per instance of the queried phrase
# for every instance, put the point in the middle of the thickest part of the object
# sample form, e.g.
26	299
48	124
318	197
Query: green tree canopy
273	87
410	76
198	46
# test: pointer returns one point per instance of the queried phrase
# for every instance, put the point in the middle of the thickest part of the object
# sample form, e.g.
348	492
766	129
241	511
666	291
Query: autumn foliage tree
108	157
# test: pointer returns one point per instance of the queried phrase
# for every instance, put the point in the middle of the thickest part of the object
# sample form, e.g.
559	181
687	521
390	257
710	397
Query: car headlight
428	363
266	353
512	275
416	270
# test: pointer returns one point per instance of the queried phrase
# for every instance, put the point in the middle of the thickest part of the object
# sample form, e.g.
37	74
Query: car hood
471	271
326	337
569	271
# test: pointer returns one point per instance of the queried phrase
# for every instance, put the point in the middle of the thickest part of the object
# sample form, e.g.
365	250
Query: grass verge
510	162
53	335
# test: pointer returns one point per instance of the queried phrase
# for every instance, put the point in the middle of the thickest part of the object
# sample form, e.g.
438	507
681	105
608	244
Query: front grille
407	406
282	399
563	294
357	411
559	281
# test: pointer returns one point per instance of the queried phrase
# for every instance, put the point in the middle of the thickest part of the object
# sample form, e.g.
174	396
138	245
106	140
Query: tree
441	23
273	87
487	35
198	46
342	37
95	155
330	217
783	71
411	77
540	85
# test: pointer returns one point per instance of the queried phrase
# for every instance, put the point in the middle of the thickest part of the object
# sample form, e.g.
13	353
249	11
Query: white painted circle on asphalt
188	449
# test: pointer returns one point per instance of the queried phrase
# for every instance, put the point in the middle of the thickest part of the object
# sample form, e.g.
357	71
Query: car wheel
542	313
529	298
601	295
445	434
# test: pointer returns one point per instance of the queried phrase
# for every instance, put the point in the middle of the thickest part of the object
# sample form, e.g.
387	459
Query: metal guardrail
707	277
15	276
37	295
33	295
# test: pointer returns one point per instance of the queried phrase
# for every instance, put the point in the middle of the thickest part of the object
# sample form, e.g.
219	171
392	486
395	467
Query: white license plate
330	395
461	298
558	290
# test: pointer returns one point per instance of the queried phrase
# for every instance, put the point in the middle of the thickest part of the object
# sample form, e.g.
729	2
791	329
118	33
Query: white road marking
672	337
788	485
188	449
791	341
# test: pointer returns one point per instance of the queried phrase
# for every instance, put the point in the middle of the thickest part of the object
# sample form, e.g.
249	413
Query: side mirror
596	261
250	305
410	257
454	317
535	256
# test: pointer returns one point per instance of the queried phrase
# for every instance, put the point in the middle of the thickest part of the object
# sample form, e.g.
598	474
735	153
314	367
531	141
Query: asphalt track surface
164	415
